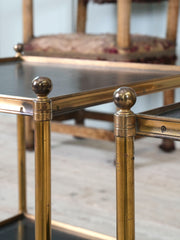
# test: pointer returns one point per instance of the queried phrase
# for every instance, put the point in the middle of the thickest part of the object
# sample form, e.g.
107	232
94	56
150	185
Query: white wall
146	18
53	16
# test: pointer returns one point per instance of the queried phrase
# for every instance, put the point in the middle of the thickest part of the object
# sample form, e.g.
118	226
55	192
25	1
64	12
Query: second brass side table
162	122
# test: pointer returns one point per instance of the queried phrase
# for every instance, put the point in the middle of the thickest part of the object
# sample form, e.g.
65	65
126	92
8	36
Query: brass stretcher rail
159	122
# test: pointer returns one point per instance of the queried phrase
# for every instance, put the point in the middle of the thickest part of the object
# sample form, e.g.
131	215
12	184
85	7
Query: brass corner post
42	117
21	150
21	163
124	121
18	48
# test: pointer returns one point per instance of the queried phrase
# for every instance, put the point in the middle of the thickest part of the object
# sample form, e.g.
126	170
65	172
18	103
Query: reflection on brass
42	117
42	86
124	120
20	232
21	163
16	105
42	105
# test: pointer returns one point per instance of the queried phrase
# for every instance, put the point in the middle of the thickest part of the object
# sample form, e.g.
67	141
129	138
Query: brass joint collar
42	109
124	124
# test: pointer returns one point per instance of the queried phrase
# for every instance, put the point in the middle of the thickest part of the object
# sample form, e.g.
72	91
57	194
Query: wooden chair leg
79	119
81	16
29	133
27	20
123	23
172	24
167	144
172	19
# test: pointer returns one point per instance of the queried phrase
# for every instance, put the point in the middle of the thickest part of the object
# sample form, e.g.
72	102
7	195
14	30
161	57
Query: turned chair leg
79	120
81	16
172	23
168	145
123	23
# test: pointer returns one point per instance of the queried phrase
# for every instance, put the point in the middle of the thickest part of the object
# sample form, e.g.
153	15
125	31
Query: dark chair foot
167	145
30	147
79	138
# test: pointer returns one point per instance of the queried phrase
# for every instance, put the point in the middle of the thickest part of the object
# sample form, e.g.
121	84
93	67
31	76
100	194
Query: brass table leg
42	117
43	178
19	48
21	163
124	134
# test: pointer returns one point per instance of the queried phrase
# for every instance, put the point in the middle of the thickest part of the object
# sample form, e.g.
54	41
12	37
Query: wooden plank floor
83	184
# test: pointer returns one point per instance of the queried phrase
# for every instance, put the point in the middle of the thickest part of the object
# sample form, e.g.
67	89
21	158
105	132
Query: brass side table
162	122
75	85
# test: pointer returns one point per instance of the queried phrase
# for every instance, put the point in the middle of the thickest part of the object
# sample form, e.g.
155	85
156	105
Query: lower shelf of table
23	228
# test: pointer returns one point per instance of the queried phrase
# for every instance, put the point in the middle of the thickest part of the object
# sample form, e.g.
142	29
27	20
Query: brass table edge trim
159	110
11	219
10	59
81	232
157	118
99	63
101	96
16	105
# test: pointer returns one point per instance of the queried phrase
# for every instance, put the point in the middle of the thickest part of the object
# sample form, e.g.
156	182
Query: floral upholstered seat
114	1
148	49
103	47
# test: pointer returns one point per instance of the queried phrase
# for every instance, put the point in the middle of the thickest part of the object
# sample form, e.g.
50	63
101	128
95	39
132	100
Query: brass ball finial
19	47
124	98
42	86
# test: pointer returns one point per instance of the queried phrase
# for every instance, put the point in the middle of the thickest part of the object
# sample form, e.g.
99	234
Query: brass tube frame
125	188
125	185
124	128
42	118
42	181
21	163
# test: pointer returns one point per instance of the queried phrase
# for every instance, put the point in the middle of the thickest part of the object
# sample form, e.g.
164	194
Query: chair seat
103	47
114	1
